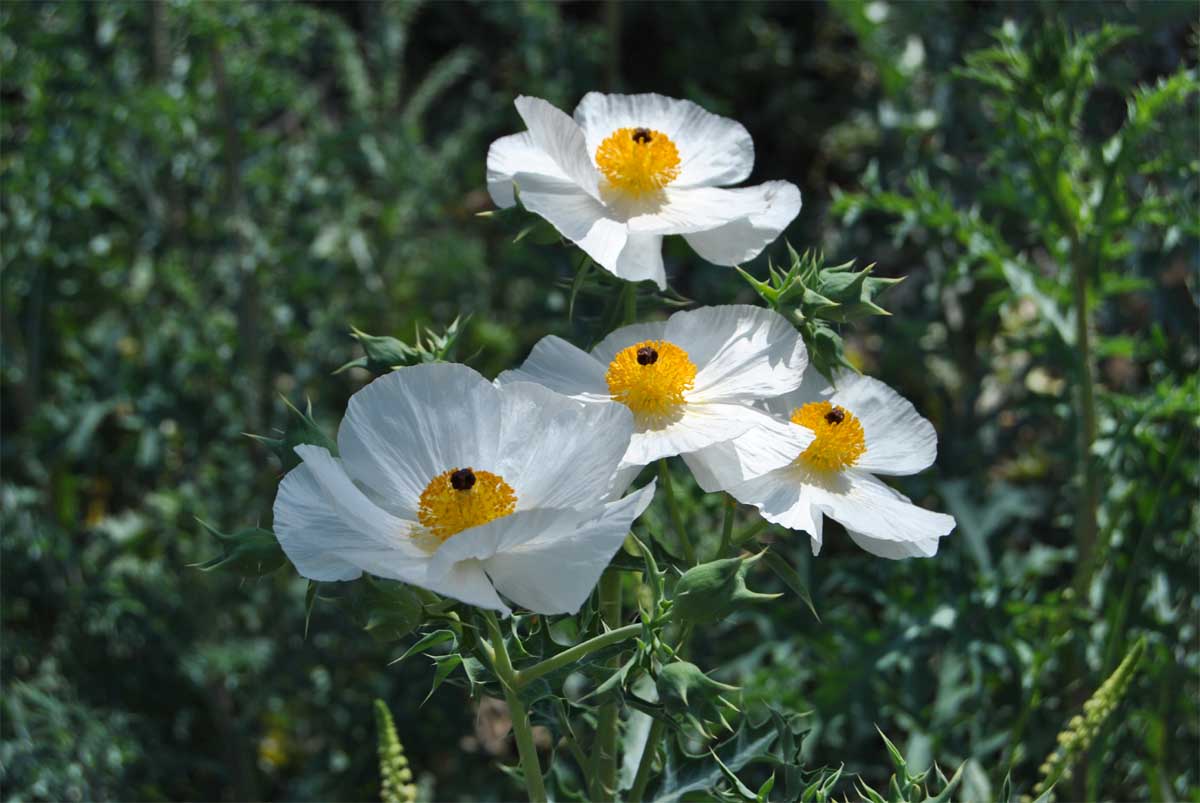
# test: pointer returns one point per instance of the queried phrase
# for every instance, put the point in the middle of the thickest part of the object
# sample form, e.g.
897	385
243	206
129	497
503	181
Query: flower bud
712	591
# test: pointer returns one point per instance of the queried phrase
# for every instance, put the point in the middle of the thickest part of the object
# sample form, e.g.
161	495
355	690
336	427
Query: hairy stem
664	474
522	732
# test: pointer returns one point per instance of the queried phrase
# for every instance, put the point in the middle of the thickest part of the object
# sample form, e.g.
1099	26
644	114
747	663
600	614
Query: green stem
727	526
604	748
664	475
645	766
573	654
522	731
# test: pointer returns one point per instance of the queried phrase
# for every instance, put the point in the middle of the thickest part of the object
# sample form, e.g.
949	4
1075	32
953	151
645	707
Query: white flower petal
559	452
813	388
352	506
560	138
563	368
867	506
895	550
899	439
464	581
742	353
743	239
626	336
713	150
641	260
406	427
772	444
686	211
697	426
511	155
556	572
311	532
782	498
576	215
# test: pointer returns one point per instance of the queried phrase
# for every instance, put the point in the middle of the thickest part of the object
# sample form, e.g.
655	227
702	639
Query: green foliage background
199	198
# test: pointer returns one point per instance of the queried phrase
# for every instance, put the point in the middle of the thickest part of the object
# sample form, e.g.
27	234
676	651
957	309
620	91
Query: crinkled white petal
741	352
563	368
713	150
743	239
514	154
813	388
464	581
575	215
641	260
556	451
895	550
771	444
627	336
561	139
352	506
865	505
685	211
406	427
696	426
782	498
899	440
311	532
556	572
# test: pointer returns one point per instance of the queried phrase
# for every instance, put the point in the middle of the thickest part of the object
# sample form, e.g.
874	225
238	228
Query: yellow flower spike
638	161
460	498
651	378
840	441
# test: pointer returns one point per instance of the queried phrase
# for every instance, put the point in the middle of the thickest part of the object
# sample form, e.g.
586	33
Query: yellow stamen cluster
651	378
638	161
461	498
840	440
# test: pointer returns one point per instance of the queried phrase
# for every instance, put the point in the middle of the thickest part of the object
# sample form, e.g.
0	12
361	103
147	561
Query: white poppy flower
448	482
690	381
862	428
632	168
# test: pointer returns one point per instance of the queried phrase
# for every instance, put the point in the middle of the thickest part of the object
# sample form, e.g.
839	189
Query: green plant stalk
604	749
664	475
573	654
522	731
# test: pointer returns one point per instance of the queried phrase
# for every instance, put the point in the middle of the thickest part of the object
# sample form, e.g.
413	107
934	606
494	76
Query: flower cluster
513	492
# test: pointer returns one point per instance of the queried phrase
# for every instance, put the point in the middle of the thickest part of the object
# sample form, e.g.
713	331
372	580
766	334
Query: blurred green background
199	198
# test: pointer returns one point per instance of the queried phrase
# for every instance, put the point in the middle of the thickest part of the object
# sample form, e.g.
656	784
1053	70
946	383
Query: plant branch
522	732
573	654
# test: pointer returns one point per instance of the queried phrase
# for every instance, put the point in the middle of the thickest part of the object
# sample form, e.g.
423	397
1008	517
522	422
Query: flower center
461	498
650	378
638	161
840	440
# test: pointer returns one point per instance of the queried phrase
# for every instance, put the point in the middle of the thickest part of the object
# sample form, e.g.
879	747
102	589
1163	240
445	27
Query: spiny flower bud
712	591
